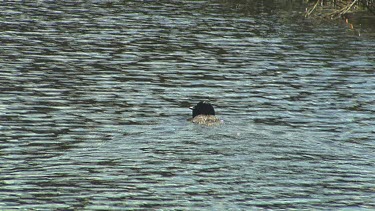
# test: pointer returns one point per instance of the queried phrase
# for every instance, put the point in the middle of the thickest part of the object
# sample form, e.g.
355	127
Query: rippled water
94	98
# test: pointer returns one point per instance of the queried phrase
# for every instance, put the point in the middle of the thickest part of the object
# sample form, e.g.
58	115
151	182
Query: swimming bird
204	114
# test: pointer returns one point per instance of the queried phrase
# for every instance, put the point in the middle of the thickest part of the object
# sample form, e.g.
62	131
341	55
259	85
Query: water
95	95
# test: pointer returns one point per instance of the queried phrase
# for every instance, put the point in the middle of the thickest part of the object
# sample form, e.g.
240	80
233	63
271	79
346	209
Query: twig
312	10
342	11
349	7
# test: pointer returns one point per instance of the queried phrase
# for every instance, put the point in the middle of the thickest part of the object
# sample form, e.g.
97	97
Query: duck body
208	120
204	114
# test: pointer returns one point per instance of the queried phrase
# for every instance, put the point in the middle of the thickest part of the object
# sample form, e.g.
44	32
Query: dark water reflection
94	97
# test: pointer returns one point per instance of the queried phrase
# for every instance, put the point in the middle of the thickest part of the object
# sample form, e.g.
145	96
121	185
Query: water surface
94	99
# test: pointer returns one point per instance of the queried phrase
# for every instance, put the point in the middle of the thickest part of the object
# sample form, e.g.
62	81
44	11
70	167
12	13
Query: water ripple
94	100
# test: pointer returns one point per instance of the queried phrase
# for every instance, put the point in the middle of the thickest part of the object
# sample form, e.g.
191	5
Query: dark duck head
203	108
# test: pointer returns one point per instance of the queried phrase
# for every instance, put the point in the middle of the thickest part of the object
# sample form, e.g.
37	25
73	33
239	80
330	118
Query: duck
204	114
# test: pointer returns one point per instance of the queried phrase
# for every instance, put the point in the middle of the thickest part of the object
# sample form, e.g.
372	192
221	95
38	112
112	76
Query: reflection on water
94	98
